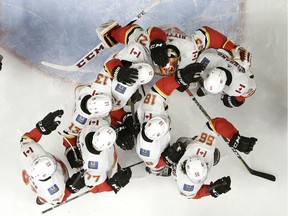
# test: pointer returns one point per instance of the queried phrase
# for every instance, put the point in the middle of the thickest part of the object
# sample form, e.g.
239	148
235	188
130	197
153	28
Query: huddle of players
100	119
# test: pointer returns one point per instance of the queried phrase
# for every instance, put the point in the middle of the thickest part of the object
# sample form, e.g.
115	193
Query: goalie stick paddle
82	194
251	171
96	50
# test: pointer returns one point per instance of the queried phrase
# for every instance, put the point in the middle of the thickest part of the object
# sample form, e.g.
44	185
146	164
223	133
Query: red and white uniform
189	46
99	166
154	105
241	82
80	118
53	190
203	145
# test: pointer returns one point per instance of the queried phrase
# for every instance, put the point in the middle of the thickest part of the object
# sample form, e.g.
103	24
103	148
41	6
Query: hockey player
46	174
165	44
154	136
100	170
193	166
122	91
226	75
89	142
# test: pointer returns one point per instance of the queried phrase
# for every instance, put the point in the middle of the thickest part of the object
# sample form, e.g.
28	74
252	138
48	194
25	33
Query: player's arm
226	129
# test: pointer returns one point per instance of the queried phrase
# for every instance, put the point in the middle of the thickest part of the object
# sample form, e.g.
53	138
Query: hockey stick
82	194
96	50
252	171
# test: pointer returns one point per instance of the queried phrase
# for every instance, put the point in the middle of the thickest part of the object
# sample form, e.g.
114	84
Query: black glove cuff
42	129
158	43
234	142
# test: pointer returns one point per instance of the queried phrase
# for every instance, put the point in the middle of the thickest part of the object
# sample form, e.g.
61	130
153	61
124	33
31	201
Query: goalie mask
216	81
103	138
145	73
43	168
156	127
173	61
196	169
99	104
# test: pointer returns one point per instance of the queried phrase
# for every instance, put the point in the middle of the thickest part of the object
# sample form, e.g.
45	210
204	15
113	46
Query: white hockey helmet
99	104
196	169
216	80
104	138
170	68
156	127
145	73
43	167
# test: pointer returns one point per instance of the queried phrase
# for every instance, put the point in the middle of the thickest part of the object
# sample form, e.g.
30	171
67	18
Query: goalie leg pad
104	32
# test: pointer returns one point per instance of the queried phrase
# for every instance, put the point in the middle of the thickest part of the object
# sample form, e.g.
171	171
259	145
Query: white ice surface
27	95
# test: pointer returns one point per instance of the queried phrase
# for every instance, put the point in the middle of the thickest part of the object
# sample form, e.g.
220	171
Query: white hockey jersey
51	190
98	166
204	146
153	105
241	79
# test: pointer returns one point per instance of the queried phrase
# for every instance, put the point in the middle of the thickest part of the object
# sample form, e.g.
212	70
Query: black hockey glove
243	144
220	186
133	127
74	157
126	75
230	101
125	139
158	52
173	153
189	74
48	123
1	57
120	179
76	182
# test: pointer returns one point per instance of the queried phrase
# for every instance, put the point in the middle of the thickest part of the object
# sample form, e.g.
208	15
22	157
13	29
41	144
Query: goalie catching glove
48	123
120	179
243	144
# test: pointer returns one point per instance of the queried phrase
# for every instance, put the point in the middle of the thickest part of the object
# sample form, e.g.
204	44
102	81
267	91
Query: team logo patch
121	89
188	187
205	62
93	165
81	119
144	152
52	190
